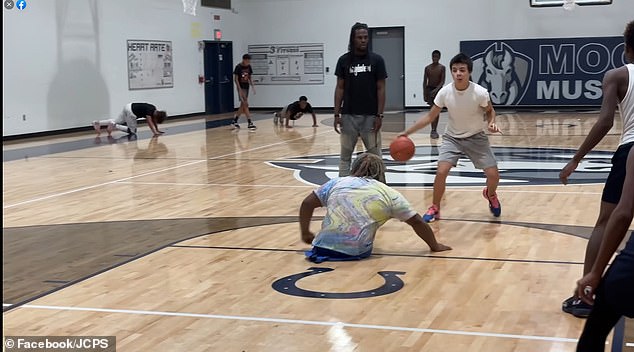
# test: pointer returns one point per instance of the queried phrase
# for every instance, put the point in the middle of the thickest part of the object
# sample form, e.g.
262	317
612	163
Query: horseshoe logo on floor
288	285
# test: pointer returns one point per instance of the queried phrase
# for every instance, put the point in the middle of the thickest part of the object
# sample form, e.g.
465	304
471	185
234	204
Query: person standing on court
356	206
433	80
242	77
613	295
127	119
467	103
359	97
618	90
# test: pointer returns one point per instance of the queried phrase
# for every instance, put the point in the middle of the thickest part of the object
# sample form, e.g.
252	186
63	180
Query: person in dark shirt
242	77
294	111
359	97
127	119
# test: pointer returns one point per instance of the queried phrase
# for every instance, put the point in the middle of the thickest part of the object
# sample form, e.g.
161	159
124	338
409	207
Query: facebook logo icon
21	4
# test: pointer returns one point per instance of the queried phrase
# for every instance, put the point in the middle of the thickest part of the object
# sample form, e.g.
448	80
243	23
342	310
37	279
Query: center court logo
517	165
504	72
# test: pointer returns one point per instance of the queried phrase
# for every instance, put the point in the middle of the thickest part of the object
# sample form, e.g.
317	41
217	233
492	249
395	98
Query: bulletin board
287	64
149	64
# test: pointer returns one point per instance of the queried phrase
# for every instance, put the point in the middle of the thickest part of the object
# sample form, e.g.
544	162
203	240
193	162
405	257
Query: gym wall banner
544	72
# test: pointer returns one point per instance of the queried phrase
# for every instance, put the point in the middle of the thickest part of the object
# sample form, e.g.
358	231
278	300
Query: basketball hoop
189	7
569	5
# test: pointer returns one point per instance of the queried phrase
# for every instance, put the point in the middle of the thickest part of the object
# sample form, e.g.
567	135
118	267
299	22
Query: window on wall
223	4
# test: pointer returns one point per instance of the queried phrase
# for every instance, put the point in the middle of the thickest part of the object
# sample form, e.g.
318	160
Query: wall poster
149	64
287	63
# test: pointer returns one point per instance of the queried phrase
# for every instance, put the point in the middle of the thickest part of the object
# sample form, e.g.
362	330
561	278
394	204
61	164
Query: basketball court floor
190	241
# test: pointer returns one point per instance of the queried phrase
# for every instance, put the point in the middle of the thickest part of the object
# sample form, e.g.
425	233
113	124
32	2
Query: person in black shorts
614	294
618	90
242	77
294	111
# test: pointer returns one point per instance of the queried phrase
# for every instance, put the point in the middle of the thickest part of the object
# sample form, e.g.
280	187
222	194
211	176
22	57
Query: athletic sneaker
276	117
131	132
434	135
432	214
494	202
576	307
236	126
251	126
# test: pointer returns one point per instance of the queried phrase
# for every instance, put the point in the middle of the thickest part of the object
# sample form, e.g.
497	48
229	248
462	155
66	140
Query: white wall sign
287	64
149	64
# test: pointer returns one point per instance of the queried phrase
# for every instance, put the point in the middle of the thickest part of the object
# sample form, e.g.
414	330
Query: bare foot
97	127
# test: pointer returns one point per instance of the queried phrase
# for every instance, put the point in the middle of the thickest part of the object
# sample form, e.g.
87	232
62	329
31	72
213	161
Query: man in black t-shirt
242	77
294	111
359	97
127	119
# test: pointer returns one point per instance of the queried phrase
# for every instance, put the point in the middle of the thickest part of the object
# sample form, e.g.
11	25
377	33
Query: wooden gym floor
190	241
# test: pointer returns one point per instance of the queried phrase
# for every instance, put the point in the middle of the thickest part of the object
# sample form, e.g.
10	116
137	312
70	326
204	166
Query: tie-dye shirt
356	208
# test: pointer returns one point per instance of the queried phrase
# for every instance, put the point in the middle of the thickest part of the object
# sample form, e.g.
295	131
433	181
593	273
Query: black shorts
614	183
429	97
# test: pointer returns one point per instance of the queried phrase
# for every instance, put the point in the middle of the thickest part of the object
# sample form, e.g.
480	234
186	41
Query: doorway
389	42
218	64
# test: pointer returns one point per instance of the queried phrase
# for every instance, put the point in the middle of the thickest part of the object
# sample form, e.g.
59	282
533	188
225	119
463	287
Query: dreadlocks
369	166
353	31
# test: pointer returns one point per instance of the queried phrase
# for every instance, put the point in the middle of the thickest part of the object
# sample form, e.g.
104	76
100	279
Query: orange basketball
402	148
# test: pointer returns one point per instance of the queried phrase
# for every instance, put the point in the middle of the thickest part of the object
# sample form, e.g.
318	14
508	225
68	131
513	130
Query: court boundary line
149	173
8	307
457	189
304	322
431	256
282	220
55	195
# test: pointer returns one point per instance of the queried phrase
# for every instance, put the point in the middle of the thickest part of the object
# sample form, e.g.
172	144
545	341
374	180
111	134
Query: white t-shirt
465	107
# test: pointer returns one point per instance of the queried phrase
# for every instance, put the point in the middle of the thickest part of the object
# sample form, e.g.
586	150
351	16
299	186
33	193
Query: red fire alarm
217	34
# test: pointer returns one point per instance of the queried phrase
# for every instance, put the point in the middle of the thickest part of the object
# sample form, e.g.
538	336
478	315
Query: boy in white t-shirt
468	104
